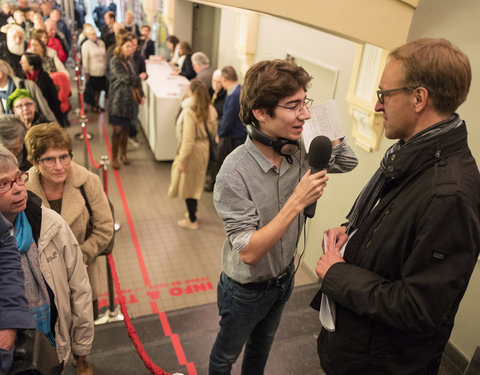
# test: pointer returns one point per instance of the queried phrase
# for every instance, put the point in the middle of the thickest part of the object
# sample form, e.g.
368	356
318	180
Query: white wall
457	21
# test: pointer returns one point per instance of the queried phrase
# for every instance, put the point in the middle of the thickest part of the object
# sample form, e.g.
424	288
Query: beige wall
457	21
380	22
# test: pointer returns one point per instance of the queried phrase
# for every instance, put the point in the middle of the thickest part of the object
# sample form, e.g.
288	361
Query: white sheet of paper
325	121
327	307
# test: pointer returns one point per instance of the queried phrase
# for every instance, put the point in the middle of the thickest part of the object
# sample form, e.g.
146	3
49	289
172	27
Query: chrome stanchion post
81	90
77	81
113	312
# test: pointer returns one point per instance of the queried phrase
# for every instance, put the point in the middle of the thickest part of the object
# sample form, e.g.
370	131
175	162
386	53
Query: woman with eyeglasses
57	180
55	280
32	67
21	103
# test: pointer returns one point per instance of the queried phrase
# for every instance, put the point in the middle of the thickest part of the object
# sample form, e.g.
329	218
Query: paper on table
325	121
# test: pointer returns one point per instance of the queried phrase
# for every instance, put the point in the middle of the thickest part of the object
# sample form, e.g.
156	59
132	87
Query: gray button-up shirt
249	192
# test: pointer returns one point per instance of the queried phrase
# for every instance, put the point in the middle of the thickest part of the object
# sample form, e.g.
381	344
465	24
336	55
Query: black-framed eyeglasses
297	108
382	93
20	180
50	161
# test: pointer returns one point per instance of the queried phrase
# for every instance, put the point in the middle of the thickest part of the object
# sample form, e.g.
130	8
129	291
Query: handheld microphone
318	158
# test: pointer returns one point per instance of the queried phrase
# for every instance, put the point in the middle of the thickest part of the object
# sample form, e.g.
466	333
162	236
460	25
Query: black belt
268	284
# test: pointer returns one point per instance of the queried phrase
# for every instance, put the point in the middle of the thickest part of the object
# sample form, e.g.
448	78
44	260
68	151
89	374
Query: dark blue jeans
248	316
6	359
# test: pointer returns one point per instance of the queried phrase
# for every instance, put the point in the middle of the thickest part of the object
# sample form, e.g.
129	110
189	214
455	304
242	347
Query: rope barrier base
110	316
80	136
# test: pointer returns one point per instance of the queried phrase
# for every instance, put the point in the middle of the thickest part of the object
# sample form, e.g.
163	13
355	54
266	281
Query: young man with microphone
260	193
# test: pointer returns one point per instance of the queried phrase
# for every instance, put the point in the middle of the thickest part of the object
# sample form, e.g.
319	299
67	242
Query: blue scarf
35	289
23	232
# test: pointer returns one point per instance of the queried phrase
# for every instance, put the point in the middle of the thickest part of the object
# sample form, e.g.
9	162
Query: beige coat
64	271
193	154
75	213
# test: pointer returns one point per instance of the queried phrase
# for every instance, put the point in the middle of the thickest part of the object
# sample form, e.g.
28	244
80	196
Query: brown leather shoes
83	367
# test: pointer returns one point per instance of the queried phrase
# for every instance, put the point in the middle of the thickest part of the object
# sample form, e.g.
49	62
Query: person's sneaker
132	142
187	224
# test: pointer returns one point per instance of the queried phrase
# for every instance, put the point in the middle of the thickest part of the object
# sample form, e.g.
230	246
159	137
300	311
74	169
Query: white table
163	93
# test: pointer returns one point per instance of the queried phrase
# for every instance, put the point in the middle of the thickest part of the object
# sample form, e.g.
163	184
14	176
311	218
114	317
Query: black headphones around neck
282	146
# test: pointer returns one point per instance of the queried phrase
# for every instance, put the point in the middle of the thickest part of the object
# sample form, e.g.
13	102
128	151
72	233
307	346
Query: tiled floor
158	263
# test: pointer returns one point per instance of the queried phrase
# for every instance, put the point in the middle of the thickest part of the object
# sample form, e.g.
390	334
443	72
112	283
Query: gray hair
217	74
11	128
200	58
15	28
8	161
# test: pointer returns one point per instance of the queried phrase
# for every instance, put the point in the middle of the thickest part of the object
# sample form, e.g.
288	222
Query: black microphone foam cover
319	153
318	158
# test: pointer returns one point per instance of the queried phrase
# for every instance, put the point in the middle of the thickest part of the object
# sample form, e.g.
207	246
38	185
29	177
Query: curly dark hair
266	83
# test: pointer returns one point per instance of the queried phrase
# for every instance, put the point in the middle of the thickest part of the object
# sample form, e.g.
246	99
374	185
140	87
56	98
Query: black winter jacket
408	265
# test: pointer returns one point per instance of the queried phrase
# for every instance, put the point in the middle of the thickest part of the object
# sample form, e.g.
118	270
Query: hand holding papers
324	120
327	305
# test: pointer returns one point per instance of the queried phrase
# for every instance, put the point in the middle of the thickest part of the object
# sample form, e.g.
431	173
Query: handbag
212	146
34	354
109	248
136	95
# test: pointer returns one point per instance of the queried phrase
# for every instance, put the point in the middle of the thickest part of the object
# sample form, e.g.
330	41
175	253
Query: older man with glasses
412	238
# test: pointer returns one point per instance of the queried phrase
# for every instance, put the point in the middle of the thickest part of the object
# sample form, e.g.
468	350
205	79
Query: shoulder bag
108	250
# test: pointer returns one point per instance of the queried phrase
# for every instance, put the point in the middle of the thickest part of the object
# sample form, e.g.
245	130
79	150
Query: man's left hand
327	260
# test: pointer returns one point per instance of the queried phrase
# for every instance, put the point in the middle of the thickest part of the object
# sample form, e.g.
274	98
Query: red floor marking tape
163	317
182	360
191	368
141	262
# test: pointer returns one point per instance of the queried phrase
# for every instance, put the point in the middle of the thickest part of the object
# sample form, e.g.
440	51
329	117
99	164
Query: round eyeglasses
297	108
20	180
50	161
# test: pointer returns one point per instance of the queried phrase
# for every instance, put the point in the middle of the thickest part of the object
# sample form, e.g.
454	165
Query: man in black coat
413	236
107	34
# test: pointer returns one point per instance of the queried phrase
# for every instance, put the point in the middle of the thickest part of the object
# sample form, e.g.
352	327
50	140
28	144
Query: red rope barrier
132	333
87	142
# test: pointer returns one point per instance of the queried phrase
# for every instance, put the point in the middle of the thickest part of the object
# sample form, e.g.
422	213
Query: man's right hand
310	188
7	338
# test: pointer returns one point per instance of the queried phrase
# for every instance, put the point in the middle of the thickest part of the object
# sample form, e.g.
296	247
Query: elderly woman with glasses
55	283
21	103
59	181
